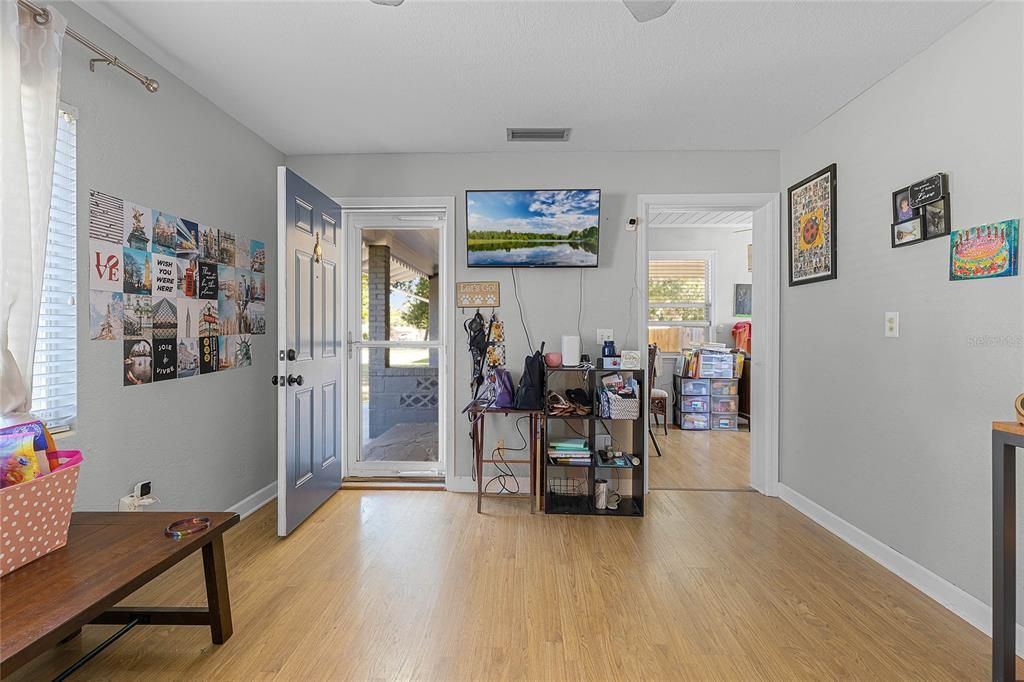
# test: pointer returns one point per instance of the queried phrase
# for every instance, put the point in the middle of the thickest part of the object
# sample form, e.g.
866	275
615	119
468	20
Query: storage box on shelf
569	483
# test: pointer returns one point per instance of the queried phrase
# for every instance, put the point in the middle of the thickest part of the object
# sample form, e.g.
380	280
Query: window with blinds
54	383
679	301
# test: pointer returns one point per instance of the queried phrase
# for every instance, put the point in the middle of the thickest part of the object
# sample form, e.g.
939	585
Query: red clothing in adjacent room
741	335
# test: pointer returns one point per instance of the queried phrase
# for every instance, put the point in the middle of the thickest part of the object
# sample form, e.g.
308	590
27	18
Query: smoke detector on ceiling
538	134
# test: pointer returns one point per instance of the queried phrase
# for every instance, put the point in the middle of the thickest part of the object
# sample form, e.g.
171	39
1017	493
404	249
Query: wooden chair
659	397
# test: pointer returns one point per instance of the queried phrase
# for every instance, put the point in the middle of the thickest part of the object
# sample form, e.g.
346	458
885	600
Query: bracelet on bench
190	526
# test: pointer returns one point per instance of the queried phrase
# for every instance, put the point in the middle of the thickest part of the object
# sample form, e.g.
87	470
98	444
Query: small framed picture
742	300
901	208
907	232
936	218
631	359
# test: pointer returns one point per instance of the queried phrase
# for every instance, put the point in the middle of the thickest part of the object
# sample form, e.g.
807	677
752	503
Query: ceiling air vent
538	134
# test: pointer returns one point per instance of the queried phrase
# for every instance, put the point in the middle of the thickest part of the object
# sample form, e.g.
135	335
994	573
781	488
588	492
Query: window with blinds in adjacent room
55	375
679	300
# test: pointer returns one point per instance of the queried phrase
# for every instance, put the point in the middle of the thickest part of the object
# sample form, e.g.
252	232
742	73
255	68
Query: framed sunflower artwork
812	228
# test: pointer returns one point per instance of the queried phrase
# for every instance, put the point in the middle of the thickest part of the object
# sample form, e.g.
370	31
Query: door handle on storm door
293	380
292	354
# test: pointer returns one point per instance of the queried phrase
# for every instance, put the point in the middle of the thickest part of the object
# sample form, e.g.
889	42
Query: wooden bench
108	556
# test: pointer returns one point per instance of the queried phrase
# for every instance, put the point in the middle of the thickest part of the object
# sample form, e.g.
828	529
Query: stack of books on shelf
569	451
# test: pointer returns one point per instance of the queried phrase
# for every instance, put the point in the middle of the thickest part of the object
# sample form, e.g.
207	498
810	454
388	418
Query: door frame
446	289
766	238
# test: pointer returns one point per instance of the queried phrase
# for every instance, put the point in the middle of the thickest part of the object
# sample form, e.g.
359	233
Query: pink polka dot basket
35	515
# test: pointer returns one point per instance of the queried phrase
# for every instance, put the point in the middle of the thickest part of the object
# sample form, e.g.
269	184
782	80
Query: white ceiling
685	217
352	76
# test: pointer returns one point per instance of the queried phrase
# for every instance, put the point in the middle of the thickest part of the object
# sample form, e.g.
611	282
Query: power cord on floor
505	469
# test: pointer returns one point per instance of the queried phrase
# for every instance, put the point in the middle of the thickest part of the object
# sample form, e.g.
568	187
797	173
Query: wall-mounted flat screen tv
556	228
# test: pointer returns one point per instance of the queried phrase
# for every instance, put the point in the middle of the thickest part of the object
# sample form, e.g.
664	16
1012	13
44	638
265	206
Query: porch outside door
309	358
396	281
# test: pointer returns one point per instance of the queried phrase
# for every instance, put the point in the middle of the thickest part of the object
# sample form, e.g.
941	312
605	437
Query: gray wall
206	442
550	297
893	434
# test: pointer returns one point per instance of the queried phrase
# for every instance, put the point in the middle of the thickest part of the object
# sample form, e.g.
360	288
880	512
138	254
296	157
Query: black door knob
273	380
292	354
293	380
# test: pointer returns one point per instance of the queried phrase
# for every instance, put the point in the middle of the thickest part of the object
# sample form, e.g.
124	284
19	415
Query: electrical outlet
605	335
892	325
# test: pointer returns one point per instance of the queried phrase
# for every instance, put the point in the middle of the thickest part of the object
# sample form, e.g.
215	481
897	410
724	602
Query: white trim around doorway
446	413
766	277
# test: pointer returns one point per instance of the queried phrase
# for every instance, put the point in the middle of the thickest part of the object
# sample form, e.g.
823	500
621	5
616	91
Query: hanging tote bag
505	394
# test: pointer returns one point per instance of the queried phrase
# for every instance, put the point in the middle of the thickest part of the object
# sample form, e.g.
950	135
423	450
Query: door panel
303	436
329	227
303	215
329	433
309	369
304	292
329	278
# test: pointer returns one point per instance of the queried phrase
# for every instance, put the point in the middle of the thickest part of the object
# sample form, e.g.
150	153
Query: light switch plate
892	325
605	335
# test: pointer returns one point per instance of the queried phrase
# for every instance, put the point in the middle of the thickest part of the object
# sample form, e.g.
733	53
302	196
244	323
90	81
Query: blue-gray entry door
309	365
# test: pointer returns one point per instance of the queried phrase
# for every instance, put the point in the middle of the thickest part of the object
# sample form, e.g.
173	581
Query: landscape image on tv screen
533	228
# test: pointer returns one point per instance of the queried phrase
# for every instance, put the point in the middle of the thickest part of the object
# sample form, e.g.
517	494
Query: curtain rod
42	17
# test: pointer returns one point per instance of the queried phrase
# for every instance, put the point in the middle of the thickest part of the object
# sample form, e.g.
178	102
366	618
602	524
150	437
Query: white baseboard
466	484
255	501
968	607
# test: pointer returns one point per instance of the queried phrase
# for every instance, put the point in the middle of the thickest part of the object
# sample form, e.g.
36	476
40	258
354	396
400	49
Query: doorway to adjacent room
709	287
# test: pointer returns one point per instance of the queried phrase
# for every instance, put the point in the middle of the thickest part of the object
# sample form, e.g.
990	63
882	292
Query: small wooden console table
1006	438
108	556
478	413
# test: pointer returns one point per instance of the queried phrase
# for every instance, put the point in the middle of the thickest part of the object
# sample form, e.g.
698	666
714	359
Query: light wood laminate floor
700	460
416	585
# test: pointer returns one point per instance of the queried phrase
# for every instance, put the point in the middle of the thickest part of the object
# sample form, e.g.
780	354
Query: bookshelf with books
593	464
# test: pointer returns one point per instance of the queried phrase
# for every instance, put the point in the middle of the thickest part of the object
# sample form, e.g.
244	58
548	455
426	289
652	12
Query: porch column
379	322
433	314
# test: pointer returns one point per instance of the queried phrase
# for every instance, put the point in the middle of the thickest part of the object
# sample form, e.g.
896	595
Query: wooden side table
477	413
1006	438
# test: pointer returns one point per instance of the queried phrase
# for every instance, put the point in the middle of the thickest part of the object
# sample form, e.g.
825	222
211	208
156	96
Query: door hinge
349	344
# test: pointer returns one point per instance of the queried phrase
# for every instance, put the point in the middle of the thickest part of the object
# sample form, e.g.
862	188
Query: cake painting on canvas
985	251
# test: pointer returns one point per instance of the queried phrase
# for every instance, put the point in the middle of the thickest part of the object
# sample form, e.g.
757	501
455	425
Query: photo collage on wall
183	298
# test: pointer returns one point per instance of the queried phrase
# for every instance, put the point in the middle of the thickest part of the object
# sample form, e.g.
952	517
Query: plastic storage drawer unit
725	403
724	422
694	421
725	386
717	366
695	403
696	387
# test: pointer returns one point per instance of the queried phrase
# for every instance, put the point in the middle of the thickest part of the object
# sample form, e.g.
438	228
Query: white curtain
30	56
